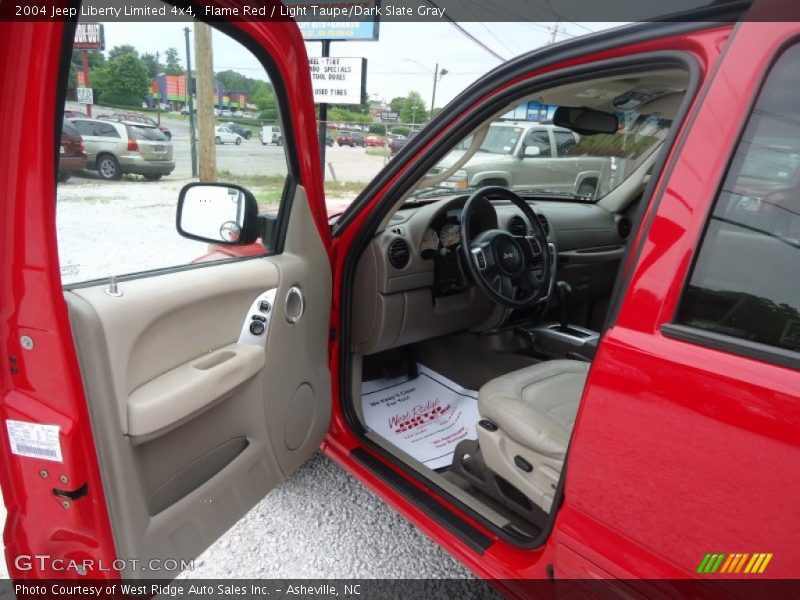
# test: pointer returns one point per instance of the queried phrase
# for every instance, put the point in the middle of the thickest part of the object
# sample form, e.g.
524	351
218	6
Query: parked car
551	387
185	111
72	154
374	141
271	134
398	142
245	132
117	147
329	140
70	113
223	135
522	154
138	118
350	138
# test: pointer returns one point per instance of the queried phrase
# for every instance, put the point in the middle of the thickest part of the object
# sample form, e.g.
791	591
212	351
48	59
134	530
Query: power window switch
264	306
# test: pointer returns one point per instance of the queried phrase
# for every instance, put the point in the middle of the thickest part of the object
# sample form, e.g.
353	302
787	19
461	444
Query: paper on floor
425	417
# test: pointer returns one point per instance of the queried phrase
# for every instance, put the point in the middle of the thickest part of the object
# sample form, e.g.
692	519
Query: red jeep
549	385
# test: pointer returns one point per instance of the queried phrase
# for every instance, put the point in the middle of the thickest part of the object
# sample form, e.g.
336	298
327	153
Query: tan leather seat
534	410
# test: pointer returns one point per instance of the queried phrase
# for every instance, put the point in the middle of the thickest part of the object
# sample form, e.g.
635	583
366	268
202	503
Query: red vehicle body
373	141
72	154
679	449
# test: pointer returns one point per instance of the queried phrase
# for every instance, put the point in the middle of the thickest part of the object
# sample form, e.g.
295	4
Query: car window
84	127
499	139
68	128
539	138
744	283
116	204
105	130
145	133
565	142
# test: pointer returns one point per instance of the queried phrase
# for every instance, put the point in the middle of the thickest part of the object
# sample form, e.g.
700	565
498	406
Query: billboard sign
389	116
338	80
355	20
89	36
85	95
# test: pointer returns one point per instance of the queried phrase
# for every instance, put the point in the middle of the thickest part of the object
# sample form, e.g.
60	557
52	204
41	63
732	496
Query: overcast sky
402	60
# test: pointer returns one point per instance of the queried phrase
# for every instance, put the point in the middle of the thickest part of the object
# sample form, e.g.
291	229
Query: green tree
172	62
414	109
123	81
120	50
151	64
96	58
397	104
264	98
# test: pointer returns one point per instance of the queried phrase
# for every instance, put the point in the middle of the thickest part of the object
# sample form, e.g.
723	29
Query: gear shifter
564	292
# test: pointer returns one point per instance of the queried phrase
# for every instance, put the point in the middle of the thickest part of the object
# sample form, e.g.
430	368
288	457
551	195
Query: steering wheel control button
264	306
257	327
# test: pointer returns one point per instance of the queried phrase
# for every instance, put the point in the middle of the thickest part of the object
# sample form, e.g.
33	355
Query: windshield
542	159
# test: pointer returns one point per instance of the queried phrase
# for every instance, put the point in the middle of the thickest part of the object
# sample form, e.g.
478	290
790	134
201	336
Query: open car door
143	416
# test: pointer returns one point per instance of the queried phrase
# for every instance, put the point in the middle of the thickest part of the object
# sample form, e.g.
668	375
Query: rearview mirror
220	213
585	121
531	151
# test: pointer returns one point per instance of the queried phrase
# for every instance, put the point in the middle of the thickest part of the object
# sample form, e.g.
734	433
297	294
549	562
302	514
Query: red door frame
689	435
502	560
43	384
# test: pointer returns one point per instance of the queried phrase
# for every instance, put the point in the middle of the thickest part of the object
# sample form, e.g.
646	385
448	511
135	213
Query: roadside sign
85	95
338	80
89	36
339	20
389	116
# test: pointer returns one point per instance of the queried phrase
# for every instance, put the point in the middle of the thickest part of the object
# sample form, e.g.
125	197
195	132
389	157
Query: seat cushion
536	406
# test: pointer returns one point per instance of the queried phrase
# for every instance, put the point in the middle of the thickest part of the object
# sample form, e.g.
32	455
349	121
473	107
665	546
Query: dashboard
411	283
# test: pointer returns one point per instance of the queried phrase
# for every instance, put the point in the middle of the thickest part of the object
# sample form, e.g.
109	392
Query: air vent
399	254
624	227
516	226
545	223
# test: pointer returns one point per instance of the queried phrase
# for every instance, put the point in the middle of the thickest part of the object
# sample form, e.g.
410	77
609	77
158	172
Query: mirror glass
585	121
213	212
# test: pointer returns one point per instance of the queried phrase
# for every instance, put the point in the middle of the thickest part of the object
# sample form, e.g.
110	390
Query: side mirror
219	213
531	151
585	121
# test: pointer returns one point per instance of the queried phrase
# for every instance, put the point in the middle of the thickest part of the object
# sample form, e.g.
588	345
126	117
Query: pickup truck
518	154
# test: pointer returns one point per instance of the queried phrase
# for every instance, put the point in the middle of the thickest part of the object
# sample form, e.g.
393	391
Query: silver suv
117	147
517	154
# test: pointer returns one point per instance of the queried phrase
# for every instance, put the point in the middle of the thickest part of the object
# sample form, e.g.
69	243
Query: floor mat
425	417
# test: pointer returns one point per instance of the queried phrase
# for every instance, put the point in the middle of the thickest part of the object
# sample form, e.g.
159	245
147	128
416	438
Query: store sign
89	36
338	80
85	95
389	116
339	20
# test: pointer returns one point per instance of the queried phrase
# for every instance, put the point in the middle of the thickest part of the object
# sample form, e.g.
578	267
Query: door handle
295	304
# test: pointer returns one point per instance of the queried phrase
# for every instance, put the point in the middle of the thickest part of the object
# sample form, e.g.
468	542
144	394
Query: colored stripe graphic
745	563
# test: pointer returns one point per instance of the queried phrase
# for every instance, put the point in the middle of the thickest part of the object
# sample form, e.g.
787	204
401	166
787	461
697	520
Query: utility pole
553	33
322	131
86	82
160	100
437	75
205	101
186	31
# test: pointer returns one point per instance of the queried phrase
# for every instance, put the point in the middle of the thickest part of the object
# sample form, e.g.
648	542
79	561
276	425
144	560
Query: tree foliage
122	81
120	50
414	109
151	64
172	62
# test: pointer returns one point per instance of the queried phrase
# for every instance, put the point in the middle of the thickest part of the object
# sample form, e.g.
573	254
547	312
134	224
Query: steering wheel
503	265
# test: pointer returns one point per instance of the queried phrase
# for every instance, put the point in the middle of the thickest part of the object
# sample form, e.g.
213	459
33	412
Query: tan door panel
192	425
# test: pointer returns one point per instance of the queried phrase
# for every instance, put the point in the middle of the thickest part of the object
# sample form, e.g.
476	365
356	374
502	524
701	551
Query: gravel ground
322	523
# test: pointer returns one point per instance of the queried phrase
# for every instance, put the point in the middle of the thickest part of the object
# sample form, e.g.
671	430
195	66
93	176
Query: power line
468	34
